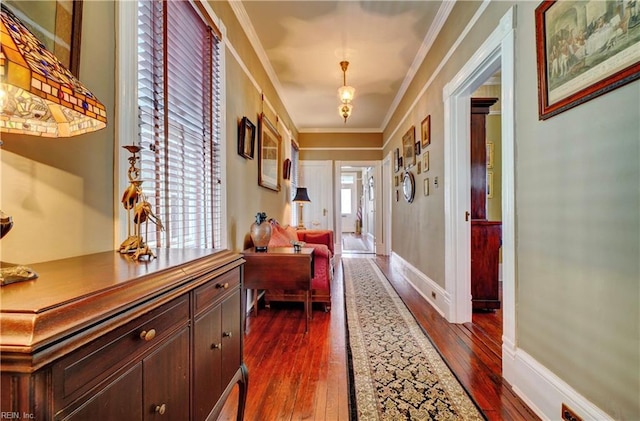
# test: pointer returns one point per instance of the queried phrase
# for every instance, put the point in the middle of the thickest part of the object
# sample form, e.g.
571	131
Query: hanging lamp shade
38	95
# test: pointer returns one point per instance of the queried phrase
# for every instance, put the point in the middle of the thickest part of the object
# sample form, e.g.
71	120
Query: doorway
357	195
496	53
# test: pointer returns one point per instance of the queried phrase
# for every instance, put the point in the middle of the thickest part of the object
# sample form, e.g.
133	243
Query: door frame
377	202
496	53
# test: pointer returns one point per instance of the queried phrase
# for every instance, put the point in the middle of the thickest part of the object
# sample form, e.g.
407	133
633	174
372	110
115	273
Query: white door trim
497	52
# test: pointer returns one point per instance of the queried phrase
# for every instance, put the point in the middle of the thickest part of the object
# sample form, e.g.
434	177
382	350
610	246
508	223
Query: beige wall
60	191
577	220
340	146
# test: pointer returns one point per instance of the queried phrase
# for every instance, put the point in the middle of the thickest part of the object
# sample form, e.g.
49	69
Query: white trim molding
544	392
423	285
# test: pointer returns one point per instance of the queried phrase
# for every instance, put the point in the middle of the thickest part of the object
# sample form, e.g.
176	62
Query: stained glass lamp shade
38	95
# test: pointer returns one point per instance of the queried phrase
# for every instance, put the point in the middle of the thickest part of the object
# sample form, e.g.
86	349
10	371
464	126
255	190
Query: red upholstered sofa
322	242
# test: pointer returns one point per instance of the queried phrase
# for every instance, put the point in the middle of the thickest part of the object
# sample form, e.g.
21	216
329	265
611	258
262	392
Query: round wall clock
408	186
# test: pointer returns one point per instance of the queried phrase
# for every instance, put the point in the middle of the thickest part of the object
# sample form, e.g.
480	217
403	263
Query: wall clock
408	186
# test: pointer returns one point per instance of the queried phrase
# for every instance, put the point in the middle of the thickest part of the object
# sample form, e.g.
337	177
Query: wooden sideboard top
72	295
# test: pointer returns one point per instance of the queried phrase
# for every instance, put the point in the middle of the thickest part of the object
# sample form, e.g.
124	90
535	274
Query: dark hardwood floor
293	376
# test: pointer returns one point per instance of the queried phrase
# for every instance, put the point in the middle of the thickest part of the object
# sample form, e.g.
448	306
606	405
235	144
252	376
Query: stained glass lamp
38	95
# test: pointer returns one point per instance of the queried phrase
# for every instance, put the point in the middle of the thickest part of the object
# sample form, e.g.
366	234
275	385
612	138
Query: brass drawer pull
226	335
223	286
216	346
148	335
161	409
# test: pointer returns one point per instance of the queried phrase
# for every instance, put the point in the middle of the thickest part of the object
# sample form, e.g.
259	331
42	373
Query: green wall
577	206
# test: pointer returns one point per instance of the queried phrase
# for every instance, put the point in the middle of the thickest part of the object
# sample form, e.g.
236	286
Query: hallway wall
577	219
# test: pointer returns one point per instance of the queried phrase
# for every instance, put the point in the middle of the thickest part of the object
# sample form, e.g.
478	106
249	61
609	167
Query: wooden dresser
101	337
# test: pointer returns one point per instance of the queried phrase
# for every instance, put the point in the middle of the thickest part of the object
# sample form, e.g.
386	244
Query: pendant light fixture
345	93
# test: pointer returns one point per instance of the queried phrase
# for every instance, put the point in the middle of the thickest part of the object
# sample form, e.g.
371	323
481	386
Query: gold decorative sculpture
134	200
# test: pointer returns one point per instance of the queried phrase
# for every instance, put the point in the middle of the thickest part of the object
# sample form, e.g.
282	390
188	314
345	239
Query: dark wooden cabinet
485	258
217	344
485	235
103	338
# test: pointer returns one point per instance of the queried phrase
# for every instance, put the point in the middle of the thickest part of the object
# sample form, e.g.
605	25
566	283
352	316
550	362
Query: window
345	201
179	122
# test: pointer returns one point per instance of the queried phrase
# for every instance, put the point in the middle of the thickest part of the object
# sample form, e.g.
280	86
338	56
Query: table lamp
39	96
301	198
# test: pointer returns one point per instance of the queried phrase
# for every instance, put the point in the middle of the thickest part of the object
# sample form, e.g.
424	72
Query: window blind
179	105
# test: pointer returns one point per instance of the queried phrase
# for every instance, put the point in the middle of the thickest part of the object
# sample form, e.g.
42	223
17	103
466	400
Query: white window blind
179	105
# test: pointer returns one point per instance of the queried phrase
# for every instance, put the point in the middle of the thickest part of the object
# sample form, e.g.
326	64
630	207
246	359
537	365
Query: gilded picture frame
408	147
269	145
425	131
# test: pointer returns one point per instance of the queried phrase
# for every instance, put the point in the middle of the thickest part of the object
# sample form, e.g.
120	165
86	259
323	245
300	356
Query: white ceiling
301	44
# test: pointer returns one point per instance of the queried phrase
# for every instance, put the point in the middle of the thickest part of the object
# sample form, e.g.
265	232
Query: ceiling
301	44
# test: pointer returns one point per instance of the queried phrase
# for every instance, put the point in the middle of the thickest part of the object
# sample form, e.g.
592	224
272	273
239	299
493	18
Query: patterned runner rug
396	372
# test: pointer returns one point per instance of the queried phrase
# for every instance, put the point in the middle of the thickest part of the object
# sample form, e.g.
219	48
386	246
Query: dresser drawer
88	366
213	290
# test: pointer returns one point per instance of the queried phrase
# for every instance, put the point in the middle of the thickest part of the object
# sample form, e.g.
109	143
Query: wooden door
231	337
317	177
166	380
207	362
119	401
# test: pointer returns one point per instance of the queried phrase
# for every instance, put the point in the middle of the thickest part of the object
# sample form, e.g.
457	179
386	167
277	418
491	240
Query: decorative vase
261	232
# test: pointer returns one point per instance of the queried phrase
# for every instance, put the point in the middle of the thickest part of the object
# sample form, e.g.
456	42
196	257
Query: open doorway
358	188
486	209
357	210
497	53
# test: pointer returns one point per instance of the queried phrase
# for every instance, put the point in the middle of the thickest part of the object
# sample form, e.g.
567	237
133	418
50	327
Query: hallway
295	376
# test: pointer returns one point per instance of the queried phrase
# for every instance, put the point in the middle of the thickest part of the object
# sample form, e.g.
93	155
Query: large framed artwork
408	147
584	49
269	142
57	24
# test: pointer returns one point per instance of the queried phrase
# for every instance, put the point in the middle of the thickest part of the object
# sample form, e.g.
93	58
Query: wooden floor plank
293	376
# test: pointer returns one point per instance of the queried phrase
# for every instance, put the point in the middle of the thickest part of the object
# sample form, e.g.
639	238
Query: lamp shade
301	195
38	95
346	94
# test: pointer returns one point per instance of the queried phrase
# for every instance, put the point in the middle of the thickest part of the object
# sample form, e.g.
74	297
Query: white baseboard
542	390
423	285
536	385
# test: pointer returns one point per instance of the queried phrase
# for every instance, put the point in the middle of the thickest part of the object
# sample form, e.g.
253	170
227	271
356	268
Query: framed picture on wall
269	167
489	184
584	49
246	138
425	161
408	147
490	149
425	131
396	160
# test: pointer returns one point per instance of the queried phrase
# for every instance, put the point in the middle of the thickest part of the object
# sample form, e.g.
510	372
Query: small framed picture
489	184
395	179
425	161
490	149
397	195
426	186
408	148
246	138
419	167
425	131
396	160
417	148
